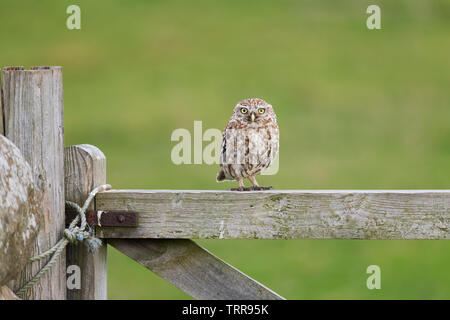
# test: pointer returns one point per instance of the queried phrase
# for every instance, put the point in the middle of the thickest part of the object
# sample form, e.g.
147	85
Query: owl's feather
221	176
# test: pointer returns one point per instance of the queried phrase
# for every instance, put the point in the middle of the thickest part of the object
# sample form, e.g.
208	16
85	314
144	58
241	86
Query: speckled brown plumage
250	142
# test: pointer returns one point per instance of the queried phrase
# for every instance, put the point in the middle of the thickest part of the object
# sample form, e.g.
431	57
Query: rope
72	234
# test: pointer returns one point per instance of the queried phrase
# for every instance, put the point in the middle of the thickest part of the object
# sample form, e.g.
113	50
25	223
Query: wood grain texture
7	294
283	214
193	269
33	116
85	169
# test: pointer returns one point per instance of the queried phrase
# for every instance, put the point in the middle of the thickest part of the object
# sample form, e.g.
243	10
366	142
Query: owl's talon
255	188
240	189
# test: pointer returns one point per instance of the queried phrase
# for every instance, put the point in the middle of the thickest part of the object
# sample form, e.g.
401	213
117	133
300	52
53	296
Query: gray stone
19	211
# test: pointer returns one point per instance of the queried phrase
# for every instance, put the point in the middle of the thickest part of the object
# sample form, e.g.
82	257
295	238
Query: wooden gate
155	227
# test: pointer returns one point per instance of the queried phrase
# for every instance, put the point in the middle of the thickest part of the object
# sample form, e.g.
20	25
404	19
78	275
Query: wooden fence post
32	102
85	169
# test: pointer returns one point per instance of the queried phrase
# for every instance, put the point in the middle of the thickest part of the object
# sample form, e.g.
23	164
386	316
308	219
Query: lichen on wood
19	211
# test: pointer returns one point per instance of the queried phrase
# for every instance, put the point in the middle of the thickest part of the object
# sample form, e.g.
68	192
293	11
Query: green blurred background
357	109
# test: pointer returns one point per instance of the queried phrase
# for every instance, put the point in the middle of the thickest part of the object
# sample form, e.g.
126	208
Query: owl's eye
244	110
261	110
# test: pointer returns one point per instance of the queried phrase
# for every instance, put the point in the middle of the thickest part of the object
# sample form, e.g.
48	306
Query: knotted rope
72	234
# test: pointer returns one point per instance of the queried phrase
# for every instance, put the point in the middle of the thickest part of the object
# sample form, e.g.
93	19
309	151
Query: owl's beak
252	116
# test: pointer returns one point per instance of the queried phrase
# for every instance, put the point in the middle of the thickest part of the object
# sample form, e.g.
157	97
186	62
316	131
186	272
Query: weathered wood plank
85	169
33	111
193	269
282	214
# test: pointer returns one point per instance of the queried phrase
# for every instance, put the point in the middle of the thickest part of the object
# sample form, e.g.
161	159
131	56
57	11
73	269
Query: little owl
250	143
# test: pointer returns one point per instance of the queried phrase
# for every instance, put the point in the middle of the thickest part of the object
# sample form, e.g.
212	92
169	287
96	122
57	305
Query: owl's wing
276	138
224	147
223	156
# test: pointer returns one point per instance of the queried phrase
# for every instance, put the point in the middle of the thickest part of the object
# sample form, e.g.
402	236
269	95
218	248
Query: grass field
357	109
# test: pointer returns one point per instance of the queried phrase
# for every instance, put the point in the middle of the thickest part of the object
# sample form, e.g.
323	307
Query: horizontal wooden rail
281	214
